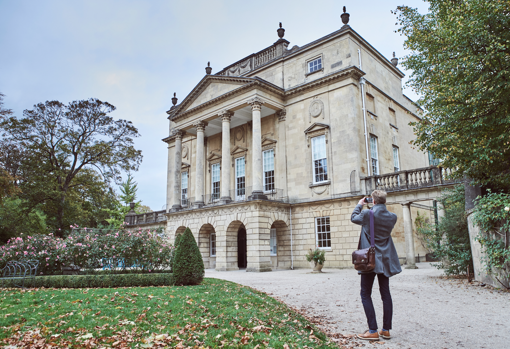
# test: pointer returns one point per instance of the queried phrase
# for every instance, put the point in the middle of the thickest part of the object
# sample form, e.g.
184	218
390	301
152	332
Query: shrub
188	263
98	281
176	244
44	248
114	250
449	240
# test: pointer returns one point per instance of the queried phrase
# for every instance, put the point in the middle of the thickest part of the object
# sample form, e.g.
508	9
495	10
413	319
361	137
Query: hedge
98	281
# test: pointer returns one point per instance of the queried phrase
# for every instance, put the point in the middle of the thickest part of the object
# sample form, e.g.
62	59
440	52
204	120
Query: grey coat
386	258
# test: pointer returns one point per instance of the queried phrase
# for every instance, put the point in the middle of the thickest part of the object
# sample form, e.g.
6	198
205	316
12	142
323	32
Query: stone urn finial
208	69
394	60
174	100
280	31
345	17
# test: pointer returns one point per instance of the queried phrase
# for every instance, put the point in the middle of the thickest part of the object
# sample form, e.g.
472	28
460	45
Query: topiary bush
176	243
188	268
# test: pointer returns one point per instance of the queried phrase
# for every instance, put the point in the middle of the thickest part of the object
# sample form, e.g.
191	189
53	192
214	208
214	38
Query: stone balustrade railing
144	218
409	179
255	60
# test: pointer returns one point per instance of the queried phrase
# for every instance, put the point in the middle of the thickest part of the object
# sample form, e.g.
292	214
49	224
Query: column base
176	208
411	266
257	195
198	204
225	199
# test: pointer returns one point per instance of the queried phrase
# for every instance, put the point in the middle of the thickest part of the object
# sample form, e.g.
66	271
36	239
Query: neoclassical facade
267	157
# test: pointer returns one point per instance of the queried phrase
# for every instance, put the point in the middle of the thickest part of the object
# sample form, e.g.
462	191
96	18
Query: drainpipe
291	243
362	83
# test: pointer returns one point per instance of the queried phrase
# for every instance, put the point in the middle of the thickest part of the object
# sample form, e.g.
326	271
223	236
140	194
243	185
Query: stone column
177	170
199	180
408	233
257	191
282	152
225	115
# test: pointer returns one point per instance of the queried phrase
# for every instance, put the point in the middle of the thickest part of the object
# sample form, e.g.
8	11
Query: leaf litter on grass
215	314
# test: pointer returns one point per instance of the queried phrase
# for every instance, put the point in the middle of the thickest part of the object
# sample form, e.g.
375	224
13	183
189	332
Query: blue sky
136	54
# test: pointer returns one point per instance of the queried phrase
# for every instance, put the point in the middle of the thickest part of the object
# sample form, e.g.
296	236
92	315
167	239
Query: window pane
213	244
319	147
240	167
272	242
396	163
215	174
322	230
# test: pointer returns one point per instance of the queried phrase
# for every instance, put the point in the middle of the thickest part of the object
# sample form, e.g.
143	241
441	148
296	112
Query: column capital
226	115
177	133
256	103
281	114
200	125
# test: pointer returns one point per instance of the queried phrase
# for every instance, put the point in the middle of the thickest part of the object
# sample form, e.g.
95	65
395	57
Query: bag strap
372	239
372	242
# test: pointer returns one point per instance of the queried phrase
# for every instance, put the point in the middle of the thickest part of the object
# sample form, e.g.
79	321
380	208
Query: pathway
429	312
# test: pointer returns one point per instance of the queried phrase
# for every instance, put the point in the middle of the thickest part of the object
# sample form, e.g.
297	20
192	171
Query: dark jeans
367	281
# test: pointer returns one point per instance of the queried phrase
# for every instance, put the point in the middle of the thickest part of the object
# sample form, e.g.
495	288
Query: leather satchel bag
364	259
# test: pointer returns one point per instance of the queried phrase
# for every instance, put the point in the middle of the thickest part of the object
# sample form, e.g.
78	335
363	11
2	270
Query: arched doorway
242	260
207	245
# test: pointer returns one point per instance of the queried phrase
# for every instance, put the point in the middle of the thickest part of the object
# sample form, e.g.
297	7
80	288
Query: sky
135	54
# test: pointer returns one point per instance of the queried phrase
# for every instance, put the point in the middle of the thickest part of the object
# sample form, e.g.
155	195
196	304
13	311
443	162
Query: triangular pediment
316	127
211	87
268	141
213	156
238	150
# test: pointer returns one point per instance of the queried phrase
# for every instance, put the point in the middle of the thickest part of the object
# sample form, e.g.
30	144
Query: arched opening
207	245
280	245
232	252
242	260
179	230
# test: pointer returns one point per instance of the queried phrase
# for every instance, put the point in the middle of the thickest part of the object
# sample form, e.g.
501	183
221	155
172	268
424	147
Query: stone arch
179	230
282	260
204	245
231	246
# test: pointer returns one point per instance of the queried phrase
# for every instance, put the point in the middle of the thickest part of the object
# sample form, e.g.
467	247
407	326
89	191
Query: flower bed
115	251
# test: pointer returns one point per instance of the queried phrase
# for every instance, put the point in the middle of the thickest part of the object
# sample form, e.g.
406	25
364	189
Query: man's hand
362	202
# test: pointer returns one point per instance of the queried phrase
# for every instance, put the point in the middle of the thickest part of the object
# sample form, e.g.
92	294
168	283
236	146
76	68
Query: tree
7	181
188	266
61	142
460	63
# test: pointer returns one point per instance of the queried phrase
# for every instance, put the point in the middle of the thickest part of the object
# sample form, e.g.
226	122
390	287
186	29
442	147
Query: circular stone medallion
316	108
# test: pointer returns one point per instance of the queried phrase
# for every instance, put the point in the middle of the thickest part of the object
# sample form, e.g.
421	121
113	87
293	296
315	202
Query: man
386	262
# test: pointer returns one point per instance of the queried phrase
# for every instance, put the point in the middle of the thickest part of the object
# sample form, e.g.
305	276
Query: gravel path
429	312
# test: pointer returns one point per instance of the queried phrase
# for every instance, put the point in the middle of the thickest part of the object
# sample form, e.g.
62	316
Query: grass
215	314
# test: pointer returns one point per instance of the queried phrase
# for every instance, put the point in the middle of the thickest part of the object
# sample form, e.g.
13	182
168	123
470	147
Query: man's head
379	197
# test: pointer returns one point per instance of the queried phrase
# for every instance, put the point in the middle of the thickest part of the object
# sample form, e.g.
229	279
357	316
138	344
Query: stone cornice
349	72
251	83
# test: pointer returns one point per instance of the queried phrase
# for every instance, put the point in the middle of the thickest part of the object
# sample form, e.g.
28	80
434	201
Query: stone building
268	157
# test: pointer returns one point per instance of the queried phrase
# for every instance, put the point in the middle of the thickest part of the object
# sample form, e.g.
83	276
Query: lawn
215	314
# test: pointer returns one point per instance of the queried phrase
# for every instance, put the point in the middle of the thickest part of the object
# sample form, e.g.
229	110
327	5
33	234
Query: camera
369	200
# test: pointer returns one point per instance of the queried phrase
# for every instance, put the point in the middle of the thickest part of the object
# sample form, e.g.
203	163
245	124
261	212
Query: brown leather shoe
385	334
368	336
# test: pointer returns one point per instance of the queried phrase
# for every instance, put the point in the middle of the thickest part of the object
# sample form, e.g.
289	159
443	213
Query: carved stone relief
185	151
316	108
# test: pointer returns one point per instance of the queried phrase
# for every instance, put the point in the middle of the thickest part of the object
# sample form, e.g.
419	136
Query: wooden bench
18	271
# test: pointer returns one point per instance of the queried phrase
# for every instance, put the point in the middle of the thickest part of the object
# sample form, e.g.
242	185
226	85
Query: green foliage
460	63
317	255
449	240
98	281
70	153
188	267
116	251
492	215
16	221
